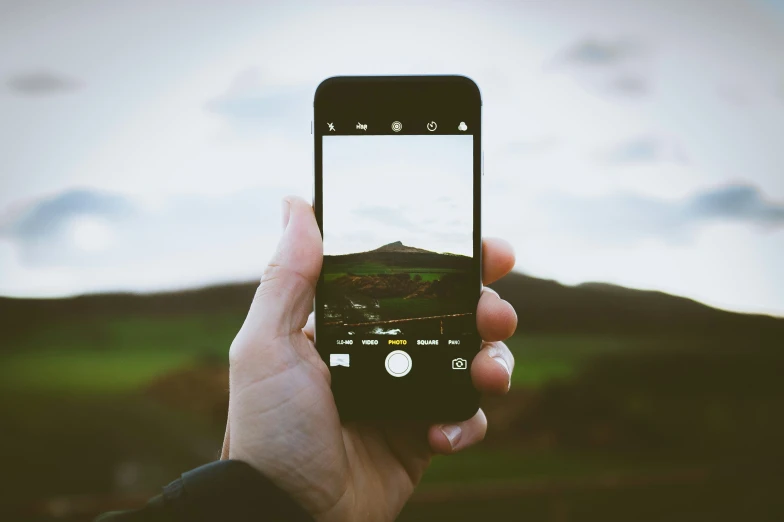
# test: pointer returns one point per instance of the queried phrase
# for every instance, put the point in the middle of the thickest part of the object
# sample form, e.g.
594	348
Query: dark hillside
22	316
543	306
398	246
401	257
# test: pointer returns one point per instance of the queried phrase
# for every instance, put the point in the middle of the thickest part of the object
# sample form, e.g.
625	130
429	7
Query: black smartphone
397	195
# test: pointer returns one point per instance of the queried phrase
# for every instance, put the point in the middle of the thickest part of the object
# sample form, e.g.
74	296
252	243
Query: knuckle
281	281
271	272
275	273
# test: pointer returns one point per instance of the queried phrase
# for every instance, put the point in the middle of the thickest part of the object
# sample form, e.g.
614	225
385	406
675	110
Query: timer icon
432	126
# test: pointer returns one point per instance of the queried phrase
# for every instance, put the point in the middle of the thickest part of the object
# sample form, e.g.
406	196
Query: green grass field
117	355
596	420
426	274
65	359
333	270
544	359
88	371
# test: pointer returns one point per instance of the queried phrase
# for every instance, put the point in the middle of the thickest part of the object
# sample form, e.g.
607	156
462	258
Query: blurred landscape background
625	405
633	157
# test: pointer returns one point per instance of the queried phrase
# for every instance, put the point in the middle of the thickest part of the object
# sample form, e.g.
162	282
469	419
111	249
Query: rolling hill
398	255
543	306
546	306
398	246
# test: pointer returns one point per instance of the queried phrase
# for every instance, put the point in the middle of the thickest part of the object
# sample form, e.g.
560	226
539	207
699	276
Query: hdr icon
362	126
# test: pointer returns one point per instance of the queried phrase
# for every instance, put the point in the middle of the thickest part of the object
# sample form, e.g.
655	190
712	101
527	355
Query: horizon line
182	289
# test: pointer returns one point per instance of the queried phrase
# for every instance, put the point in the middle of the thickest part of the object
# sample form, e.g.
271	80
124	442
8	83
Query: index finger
498	259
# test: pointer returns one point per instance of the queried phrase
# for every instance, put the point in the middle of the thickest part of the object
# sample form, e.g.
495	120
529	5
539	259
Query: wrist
231	490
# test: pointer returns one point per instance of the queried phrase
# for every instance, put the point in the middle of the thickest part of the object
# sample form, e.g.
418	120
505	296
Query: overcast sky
145	145
414	189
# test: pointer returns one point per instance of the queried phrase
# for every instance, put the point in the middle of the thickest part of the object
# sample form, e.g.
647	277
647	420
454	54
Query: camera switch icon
459	364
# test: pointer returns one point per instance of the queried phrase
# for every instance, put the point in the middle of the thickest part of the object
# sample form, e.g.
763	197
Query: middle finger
496	320
491	369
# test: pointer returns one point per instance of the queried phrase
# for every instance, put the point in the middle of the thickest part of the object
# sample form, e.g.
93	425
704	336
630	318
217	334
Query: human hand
282	415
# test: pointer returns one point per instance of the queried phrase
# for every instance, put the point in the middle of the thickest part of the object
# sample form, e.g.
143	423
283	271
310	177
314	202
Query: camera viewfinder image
398	235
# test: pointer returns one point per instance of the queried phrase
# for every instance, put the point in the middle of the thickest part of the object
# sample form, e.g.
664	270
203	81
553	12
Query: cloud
736	203
47	216
647	149
615	67
41	83
249	100
629	218
598	53
630	84
88	231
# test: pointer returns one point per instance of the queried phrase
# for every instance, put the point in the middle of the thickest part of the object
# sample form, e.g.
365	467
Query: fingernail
502	362
452	432
286	213
490	291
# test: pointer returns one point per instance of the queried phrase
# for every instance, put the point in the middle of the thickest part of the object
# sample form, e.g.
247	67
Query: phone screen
397	203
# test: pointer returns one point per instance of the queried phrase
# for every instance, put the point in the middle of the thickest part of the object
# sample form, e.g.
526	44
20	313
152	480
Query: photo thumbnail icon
339	359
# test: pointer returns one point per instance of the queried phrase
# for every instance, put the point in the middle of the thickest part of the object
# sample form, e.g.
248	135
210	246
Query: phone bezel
410	95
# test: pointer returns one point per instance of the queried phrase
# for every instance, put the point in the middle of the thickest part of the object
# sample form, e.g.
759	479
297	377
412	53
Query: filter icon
462	127
397	126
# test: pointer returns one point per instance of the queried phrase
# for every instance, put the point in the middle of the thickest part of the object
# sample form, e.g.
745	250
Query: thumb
284	297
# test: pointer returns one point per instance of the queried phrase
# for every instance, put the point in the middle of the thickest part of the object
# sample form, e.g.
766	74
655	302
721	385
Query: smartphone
397	195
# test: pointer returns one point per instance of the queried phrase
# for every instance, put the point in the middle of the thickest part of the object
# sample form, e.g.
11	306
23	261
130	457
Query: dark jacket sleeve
225	491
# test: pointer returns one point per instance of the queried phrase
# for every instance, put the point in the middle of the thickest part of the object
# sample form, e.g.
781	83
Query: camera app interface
398	275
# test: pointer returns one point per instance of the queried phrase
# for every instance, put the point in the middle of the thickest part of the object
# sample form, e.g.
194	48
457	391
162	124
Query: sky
416	189
146	145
